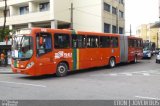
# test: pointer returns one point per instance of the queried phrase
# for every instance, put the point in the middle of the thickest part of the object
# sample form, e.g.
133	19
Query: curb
5	70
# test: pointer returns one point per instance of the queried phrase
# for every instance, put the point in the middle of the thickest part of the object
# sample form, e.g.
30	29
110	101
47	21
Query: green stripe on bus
74	55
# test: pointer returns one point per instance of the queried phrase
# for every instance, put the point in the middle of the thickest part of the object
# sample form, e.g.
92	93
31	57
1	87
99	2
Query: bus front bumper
30	71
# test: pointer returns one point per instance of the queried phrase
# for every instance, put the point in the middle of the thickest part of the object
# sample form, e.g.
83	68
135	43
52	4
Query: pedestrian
2	57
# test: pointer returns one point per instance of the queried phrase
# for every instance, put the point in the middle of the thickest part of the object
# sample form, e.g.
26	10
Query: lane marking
142	97
35	85
146	74
139	72
113	74
127	74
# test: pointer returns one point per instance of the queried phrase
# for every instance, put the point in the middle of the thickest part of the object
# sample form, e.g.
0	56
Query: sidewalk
6	69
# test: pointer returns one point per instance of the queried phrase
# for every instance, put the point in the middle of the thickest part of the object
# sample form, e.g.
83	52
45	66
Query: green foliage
5	35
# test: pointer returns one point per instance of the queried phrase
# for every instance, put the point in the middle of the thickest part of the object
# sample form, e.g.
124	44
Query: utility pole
71	26
130	30
5	15
157	40
159	9
117	20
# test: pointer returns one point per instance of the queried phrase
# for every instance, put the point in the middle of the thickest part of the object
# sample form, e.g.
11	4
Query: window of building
61	41
78	41
92	42
121	14
106	28
121	1
107	7
44	43
120	30
114	42
104	42
44	6
114	10
114	29
24	10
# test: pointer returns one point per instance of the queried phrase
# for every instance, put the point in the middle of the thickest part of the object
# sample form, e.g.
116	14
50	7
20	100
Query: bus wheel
112	62
62	70
135	59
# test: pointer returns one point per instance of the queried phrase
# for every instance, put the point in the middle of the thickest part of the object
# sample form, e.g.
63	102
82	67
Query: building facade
147	33
88	15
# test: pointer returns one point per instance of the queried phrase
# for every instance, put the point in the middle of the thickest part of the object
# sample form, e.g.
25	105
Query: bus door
44	53
115	50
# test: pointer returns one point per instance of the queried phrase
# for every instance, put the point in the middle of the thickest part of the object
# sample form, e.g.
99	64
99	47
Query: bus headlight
30	65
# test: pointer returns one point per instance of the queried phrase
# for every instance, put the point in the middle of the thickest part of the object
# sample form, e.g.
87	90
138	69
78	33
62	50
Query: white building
88	15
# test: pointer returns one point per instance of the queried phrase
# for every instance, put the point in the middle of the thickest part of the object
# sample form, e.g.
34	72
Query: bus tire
112	62
62	70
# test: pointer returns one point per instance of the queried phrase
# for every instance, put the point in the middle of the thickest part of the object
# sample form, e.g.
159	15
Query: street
125	81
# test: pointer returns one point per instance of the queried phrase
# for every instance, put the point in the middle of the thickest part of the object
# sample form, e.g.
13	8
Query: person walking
2	57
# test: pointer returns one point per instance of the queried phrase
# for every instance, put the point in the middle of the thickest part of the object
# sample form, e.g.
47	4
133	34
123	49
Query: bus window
139	43
44	43
114	42
74	41
92	42
81	41
130	42
78	41
104	42
135	43
61	41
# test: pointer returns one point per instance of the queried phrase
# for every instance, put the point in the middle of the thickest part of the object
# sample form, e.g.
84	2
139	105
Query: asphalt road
126	81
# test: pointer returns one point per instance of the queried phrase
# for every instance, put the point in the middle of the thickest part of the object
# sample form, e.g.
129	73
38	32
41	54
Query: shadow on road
78	72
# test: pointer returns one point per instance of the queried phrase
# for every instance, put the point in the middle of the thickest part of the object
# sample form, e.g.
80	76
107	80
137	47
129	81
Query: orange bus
41	51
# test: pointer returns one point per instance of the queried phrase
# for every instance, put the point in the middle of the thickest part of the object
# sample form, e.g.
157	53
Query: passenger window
132	42
135	43
139	43
44	43
61	41
92	41
104	42
78	41
114	42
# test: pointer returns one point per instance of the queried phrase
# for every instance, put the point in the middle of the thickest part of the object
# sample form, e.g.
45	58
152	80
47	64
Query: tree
5	34
4	31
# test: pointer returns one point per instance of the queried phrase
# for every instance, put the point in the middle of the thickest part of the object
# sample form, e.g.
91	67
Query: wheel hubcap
61	69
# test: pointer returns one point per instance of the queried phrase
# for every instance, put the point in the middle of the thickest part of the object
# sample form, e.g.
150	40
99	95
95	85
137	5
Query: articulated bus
41	51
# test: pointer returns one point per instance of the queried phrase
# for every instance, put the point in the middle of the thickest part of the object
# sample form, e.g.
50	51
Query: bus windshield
22	47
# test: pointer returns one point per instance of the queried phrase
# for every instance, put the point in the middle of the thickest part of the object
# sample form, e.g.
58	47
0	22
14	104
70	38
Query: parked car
158	58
